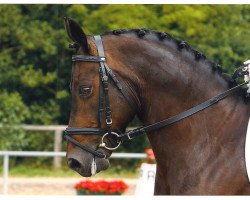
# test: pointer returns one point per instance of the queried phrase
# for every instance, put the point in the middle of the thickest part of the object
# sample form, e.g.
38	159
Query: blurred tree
12	113
110	17
35	62
30	37
220	31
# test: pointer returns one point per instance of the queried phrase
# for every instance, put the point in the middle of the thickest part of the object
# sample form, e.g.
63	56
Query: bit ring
103	144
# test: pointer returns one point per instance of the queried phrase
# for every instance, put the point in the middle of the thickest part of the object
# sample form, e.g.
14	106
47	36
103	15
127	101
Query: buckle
109	122
138	130
128	134
103	59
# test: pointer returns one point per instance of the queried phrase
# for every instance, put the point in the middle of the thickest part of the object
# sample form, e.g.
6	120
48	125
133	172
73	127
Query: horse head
101	103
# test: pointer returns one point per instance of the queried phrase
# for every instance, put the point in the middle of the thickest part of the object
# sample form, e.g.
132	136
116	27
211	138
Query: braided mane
180	45
165	36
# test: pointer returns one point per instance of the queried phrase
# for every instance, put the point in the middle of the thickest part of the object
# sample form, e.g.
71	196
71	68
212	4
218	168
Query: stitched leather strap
88	58
167	122
120	88
104	76
85	131
83	147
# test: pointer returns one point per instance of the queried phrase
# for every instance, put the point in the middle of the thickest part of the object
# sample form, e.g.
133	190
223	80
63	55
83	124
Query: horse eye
85	91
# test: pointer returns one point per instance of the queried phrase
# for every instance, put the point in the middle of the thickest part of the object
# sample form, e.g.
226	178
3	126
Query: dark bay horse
155	77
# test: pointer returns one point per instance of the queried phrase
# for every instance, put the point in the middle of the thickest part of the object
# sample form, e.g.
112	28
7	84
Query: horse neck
176	87
172	82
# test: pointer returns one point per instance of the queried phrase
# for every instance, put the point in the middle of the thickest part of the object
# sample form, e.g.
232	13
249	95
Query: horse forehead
85	70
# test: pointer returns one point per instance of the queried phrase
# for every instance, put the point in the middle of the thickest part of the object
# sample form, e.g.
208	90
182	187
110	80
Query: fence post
57	148
5	173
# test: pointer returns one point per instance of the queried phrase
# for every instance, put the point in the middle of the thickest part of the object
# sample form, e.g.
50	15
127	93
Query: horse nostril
74	164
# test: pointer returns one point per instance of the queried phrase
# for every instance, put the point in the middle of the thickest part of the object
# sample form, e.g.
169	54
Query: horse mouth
88	169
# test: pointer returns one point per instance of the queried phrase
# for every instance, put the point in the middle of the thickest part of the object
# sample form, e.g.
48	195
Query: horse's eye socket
85	91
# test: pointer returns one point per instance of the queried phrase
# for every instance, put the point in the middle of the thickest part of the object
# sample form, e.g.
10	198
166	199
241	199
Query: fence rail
58	131
7	154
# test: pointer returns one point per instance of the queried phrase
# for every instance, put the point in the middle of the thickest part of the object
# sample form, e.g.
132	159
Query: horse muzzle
85	163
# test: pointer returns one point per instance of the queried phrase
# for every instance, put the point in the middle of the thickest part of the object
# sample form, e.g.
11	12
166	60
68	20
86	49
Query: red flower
101	187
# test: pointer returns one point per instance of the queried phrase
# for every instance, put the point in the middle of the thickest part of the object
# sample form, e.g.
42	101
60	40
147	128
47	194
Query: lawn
46	171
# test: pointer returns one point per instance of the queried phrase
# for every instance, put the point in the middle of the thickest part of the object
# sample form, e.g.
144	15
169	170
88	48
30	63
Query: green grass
30	171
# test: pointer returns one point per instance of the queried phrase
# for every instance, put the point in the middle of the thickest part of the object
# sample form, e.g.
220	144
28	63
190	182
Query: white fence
7	154
58	131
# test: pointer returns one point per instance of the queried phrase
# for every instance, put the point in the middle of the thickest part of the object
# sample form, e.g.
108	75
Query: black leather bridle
104	106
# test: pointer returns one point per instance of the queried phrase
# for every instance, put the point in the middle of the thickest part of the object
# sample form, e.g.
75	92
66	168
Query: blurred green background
35	62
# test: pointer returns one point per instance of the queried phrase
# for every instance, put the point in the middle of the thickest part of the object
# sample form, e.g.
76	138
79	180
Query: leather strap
120	88
88	58
85	131
100	103
83	147
99	45
167	122
104	76
98	42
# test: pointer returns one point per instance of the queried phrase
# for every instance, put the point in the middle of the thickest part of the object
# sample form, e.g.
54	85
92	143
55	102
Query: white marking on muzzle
93	167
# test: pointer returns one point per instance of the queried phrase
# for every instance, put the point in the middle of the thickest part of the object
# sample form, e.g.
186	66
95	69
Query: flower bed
100	187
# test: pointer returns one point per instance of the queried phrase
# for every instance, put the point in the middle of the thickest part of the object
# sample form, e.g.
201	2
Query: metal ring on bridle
103	144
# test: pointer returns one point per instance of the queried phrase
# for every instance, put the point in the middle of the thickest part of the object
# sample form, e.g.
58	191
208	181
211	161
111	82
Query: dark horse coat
203	154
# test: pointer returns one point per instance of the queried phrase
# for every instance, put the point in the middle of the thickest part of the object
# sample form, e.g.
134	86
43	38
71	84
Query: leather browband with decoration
87	58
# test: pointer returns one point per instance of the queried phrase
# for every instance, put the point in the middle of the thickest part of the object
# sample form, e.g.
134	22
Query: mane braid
198	56
163	35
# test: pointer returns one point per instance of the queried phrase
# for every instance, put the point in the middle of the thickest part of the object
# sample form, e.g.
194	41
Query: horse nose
77	161
80	162
74	164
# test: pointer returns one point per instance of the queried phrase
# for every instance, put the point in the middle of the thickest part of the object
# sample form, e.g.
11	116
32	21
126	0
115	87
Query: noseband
104	106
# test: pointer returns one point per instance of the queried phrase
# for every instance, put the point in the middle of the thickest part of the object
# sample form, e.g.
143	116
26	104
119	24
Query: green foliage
77	12
12	113
110	17
220	31
35	63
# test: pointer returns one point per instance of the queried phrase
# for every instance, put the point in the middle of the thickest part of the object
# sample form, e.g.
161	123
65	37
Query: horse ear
76	33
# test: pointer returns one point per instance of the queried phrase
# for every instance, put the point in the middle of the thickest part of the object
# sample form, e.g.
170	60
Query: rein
104	105
167	122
